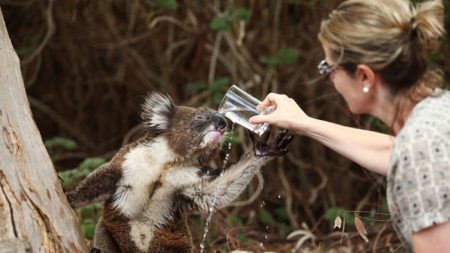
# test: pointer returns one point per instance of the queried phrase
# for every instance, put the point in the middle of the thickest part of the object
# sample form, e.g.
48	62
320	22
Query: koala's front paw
94	250
276	148
72	198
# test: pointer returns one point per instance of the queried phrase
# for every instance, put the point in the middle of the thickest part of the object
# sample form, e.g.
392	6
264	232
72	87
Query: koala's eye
203	117
200	117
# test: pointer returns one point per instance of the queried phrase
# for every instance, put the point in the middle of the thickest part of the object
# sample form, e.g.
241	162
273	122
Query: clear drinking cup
239	106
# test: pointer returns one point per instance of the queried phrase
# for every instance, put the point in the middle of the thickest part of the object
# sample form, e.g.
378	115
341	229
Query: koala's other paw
72	198
94	250
278	147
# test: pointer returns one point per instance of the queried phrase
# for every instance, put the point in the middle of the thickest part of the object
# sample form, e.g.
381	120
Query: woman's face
349	87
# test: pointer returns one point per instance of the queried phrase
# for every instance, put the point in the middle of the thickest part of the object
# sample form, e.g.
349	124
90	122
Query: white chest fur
158	209
141	168
137	197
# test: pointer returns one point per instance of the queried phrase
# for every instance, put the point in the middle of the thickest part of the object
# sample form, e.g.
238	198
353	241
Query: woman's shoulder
439	100
429	122
431	113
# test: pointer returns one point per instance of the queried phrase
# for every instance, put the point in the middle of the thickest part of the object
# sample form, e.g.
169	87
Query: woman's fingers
271	99
259	119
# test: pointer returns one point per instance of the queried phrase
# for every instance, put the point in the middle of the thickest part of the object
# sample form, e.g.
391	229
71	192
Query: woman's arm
367	148
432	239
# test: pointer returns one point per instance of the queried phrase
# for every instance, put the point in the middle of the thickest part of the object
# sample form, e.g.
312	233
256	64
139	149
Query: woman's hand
287	114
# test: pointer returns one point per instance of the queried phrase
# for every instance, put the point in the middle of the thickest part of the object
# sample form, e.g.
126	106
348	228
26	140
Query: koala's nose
219	121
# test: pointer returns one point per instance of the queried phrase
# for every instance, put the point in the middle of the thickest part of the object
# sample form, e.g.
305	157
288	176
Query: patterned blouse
418	179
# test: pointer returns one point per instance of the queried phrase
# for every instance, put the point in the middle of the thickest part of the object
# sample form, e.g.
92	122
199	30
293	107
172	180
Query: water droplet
265	237
279	196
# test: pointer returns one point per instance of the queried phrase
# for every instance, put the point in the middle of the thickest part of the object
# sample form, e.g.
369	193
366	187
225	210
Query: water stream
211	208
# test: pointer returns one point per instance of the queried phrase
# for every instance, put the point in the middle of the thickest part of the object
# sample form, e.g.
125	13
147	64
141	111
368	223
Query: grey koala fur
150	186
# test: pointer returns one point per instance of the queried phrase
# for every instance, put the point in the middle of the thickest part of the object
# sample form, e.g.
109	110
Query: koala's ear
157	111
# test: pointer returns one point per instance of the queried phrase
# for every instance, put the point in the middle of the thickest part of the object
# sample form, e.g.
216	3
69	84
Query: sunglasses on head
325	69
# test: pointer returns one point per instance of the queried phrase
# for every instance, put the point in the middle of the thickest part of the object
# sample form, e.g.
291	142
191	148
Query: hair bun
413	23
429	23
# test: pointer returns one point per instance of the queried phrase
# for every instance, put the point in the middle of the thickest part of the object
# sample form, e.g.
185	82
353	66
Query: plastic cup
239	106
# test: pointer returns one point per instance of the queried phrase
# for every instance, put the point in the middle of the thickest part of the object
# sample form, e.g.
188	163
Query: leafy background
87	66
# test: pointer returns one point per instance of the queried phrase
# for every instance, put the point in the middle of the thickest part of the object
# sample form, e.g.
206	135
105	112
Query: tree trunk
34	213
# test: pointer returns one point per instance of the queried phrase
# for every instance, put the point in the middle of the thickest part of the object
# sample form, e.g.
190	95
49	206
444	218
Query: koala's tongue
213	137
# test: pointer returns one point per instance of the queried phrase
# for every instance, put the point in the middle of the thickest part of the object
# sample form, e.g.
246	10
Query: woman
376	57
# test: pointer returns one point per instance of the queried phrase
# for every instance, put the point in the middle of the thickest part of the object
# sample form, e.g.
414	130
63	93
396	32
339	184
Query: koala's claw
283	139
276	148
94	250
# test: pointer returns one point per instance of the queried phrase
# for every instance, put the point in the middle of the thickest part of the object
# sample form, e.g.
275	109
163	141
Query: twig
297	162
255	194
17	3
287	189
171	20
61	121
212	65
131	133
321	186
377	238
225	62
48	35
132	23
276	23
125	42
366	197
245	68
35	72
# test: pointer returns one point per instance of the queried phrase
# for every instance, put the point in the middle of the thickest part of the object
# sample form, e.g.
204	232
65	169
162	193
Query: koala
151	185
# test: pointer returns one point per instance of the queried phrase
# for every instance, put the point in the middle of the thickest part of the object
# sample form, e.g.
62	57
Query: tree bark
34	213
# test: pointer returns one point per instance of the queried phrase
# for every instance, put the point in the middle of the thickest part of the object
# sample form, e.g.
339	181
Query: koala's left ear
157	111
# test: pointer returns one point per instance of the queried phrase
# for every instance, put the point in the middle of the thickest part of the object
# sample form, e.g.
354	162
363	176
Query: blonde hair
392	37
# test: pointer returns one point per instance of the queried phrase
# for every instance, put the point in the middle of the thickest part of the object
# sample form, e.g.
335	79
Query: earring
365	89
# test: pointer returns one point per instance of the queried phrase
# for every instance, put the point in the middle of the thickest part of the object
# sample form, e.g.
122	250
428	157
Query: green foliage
88	230
223	23
23	51
170	5
220	24
89	216
266	217
70	177
284	229
217	89
91	163
346	216
286	56
240	14
241	237
310	3
60	142
231	137
378	125
281	213
195	87
236	221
